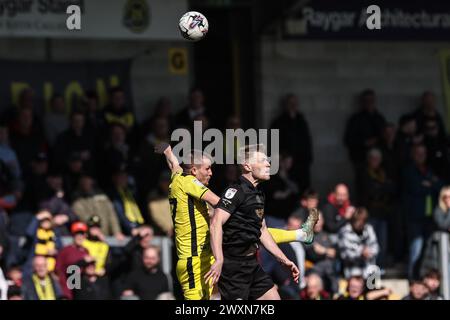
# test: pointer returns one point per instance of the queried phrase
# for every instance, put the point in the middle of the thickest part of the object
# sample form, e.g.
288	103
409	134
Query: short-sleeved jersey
189	214
245	203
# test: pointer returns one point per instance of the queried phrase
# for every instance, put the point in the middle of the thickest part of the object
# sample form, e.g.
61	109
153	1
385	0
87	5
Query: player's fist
162	147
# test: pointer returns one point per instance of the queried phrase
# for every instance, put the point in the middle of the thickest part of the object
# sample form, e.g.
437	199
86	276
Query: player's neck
250	178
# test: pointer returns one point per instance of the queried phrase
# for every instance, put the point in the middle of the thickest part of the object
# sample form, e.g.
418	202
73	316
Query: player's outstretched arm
172	161
216	234
269	243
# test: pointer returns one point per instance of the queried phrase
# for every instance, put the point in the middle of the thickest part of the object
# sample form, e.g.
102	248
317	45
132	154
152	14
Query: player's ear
247	167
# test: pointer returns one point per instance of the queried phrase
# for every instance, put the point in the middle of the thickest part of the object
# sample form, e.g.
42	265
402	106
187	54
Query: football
193	26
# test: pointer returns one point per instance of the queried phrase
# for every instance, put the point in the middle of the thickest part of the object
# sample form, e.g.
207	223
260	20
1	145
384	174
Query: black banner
400	20
70	79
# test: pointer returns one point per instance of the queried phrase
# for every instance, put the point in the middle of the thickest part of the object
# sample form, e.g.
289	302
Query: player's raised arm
172	161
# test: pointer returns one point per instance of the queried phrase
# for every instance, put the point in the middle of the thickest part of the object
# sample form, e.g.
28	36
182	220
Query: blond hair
194	158
247	154
441	198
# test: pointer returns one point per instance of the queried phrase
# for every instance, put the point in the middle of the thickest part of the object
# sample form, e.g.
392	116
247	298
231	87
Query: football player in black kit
238	227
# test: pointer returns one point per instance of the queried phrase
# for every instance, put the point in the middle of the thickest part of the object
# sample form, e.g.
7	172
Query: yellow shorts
191	275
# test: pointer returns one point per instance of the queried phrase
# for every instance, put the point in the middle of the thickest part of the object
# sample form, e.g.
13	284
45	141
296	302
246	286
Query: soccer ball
193	26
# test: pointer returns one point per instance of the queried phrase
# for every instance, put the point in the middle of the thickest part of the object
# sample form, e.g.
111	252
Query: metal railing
444	247
164	243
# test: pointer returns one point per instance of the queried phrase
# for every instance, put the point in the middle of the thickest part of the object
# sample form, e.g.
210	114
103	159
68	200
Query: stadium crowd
92	175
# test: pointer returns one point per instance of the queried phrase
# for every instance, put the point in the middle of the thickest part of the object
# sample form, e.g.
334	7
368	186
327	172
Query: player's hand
162	147
294	270
213	274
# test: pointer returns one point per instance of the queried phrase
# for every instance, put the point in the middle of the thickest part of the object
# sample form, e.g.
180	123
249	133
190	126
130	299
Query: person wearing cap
91	201
96	245
123	197
71	255
42	240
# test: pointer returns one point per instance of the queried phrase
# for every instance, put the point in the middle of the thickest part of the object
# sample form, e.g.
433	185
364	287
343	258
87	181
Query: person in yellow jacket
96	245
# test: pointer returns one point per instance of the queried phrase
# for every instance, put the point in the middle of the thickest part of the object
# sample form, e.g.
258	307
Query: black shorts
243	278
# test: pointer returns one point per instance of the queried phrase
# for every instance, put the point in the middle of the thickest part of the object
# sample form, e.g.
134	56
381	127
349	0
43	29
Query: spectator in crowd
91	201
406	138
73	171
364	128
295	139
308	201
231	147
428	111
96	245
118	112
92	285
389	152
71	255
42	241
196	107
116	152
149	163
281	190
417	291
338	210
159	206
41	285
322	253
54	201
8	155
437	150
358	246
36	182
26	139
25	101
226	177
55	121
432	280
14	293
123	196
355	289
76	138
163	109
420	190
314	289
377	195
130	257
93	115
3	282
442	211
14	276
148	281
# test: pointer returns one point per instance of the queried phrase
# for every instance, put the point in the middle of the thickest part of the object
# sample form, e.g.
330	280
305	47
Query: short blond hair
194	158
246	154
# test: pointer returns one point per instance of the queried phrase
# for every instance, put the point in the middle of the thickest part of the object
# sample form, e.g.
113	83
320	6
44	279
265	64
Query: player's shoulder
233	190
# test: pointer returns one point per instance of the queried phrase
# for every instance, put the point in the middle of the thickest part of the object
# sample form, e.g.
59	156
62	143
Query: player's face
260	167
203	173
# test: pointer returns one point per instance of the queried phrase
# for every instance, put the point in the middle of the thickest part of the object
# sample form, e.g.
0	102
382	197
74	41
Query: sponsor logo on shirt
230	193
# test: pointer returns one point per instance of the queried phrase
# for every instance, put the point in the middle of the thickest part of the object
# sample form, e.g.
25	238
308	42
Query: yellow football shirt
189	214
